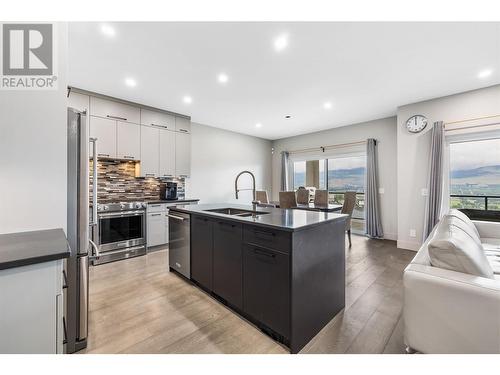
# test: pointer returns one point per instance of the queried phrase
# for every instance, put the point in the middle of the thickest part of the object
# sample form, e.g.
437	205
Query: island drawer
270	238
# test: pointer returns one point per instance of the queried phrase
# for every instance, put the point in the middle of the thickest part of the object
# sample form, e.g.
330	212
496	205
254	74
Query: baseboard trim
408	245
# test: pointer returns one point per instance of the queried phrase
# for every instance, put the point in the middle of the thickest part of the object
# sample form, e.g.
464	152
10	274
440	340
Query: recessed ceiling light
485	73
222	78
187	99
281	42
130	82
258	125
327	105
108	30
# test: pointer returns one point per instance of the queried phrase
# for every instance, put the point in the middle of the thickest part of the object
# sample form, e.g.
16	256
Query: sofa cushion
460	215
491	244
468	228
454	248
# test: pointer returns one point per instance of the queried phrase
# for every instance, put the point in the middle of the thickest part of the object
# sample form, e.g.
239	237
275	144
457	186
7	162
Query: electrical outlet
413	233
425	192
381	190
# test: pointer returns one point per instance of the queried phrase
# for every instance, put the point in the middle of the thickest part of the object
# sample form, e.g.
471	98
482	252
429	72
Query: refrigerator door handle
83	265
95	253
94	181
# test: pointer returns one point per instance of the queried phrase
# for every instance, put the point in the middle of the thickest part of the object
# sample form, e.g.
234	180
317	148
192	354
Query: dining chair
287	199
321	198
348	208
302	195
261	196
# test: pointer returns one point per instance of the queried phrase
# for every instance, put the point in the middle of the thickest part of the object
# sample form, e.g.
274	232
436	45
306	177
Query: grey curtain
284	170
435	181
372	208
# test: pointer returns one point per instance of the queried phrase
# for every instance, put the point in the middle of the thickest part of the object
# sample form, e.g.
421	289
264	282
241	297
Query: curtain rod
470	119
323	148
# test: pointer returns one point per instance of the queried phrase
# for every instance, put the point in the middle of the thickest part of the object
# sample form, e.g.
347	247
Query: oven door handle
121	214
96	253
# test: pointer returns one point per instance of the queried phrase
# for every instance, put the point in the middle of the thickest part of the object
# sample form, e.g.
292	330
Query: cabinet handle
161	126
265	253
262	234
116	117
150	175
155	214
128	157
106	155
183	130
65	331
183	175
224	223
65	278
154	205
167	175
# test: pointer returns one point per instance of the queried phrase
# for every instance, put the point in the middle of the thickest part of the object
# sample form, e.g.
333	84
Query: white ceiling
365	70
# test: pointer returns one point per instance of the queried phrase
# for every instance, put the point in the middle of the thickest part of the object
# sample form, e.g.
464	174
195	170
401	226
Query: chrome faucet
236	190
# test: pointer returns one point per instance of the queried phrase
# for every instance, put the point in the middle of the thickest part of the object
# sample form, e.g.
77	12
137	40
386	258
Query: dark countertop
290	220
153	201
22	249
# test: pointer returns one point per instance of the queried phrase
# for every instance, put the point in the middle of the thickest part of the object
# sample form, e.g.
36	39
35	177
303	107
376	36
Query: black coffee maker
168	191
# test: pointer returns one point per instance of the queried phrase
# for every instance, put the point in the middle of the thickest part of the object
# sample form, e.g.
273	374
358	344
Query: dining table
309	206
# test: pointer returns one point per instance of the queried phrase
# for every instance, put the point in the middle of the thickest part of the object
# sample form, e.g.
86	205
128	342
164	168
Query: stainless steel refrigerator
79	225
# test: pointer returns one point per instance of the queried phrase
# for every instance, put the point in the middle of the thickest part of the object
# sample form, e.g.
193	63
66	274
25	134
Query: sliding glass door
337	175
348	173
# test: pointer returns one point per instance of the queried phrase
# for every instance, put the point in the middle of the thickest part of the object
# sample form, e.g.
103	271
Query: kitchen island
282	269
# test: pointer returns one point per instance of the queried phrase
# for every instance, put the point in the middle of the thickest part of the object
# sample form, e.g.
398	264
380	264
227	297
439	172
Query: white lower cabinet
156	229
31	309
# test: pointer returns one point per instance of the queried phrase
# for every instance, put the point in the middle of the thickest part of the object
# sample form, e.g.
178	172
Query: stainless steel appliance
179	247
121	231
77	265
168	191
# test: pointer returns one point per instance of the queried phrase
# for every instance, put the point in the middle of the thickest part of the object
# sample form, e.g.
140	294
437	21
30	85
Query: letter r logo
27	49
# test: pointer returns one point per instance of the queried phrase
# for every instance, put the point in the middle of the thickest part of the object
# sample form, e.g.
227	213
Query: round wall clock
416	124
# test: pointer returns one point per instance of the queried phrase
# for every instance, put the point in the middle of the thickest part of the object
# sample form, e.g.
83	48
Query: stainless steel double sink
237	212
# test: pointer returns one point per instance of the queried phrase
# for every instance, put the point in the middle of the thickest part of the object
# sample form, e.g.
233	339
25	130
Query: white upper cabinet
167	153
150	151
79	101
155	118
182	124
114	110
128	140
105	132
182	154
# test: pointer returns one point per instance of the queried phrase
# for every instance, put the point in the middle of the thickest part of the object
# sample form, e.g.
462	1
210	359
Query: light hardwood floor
137	306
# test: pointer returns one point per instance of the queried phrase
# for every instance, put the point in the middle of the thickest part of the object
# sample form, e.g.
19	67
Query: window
309	173
475	175
337	175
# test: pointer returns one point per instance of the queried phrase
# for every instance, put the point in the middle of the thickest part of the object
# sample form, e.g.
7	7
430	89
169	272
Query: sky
469	155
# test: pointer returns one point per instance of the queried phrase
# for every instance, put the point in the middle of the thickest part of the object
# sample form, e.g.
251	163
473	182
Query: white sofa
446	311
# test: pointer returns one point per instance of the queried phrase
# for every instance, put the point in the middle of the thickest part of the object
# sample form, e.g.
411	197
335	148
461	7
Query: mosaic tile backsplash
116	181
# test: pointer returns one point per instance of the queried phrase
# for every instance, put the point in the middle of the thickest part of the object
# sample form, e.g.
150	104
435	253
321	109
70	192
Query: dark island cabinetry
266	287
201	251
288	277
227	262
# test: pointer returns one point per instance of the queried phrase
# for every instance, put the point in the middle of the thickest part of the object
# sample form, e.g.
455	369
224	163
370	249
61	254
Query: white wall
413	152
218	156
384	130
33	154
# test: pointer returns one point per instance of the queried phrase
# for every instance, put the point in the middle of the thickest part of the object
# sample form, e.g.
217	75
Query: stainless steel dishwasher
179	247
